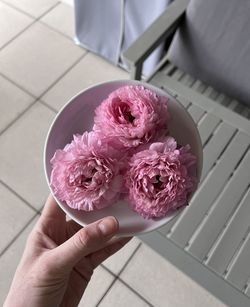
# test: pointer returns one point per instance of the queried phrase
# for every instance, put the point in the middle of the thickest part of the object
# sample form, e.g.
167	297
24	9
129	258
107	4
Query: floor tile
15	214
90	70
13	102
68	2
122	296
38	57
21	155
162	284
116	263
8	18
61	18
99	284
33	7
9	261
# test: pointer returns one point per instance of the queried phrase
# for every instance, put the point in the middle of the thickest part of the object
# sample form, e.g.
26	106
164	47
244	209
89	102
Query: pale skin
59	259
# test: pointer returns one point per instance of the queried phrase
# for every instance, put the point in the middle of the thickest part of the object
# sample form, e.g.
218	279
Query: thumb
87	240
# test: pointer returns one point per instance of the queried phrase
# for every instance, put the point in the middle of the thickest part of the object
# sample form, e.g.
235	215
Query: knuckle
83	239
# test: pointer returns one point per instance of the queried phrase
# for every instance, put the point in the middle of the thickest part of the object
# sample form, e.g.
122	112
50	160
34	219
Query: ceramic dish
77	116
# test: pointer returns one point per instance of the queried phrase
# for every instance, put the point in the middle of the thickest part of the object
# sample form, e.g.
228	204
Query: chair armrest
157	32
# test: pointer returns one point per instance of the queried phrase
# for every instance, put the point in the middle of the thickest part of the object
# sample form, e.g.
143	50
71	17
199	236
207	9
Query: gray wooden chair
210	239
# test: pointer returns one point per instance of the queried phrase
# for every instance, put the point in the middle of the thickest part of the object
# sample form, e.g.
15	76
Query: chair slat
233	104
220	213
198	86
214	94
207	91
187	80
184	102
215	146
209	105
196	113
228	243
248	290
239	272
225	101
206	126
168	68
209	190
239	108
210	92
245	112
177	74
222	99
166	228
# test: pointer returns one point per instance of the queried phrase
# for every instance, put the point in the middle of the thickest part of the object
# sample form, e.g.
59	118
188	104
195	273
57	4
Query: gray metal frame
157	33
210	239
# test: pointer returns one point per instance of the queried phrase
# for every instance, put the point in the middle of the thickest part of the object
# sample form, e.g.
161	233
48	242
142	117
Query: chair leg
136	71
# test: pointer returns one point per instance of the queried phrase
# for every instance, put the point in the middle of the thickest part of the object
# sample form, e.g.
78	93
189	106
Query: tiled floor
40	69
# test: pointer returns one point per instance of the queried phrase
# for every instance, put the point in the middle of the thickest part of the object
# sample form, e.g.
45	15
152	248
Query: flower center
88	179
79	180
81	175
129	117
124	113
158	183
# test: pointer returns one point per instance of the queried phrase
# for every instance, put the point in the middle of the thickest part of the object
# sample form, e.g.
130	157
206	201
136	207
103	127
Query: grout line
48	106
19	33
18	196
18	116
17	85
127	286
57	31
85	52
28	14
51	85
17	9
48	10
63	75
17	235
126	263
27	27
107	269
122	270
35	20
130	257
117	277
41	95
135	292
106	292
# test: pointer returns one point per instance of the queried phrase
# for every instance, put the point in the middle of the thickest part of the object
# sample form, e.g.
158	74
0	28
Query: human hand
59	259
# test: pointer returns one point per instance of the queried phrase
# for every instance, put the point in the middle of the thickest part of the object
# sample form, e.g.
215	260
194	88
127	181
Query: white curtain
107	27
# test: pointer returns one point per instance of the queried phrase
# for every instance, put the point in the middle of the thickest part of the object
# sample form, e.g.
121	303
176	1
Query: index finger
52	210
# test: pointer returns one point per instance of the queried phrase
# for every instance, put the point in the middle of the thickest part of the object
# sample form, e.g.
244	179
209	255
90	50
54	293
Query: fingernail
108	226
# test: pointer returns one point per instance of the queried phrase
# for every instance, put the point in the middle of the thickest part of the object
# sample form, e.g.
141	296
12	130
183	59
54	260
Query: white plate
77	116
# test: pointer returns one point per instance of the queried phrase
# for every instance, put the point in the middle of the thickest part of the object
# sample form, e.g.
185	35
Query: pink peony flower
133	115
160	178
86	174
